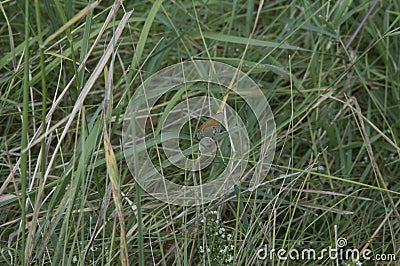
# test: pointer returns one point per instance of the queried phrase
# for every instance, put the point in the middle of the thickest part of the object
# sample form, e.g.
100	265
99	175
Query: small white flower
208	250
229	237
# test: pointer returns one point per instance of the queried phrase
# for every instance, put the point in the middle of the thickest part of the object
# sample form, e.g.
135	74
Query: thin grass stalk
135	62
24	134
71	43
32	229
140	224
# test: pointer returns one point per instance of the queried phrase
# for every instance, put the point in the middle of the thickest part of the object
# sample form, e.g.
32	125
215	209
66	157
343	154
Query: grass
330	72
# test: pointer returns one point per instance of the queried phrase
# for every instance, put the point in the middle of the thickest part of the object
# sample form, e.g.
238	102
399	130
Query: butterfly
210	128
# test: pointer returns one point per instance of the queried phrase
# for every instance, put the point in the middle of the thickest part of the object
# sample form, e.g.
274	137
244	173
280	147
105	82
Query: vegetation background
329	69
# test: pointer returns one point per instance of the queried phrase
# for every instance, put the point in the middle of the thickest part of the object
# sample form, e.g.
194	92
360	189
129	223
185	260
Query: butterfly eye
216	130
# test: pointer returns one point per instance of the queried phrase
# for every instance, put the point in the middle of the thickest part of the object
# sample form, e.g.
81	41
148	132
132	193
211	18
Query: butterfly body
210	128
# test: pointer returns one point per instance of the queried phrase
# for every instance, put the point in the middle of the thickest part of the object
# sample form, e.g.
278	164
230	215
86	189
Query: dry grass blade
89	84
72	21
221	108
372	157
37	137
96	231
111	162
116	191
378	229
